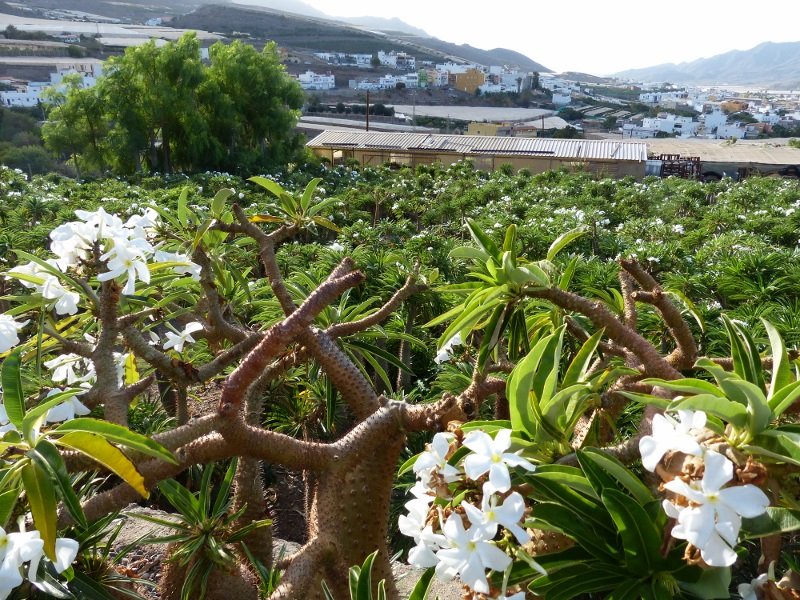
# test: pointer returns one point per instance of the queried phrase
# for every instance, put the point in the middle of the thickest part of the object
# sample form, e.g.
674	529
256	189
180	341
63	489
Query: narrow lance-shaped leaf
781	372
44	508
108	455
13	398
47	456
119	435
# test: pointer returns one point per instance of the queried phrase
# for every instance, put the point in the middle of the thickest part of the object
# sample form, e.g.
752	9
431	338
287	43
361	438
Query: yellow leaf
131	372
108	455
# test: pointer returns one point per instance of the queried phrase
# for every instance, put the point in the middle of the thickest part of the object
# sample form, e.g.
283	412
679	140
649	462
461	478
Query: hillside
769	64
320	35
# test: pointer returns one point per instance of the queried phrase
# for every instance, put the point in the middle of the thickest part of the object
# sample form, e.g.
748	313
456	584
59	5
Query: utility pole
367	111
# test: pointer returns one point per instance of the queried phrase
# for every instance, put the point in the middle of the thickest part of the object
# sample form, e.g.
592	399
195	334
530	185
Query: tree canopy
162	109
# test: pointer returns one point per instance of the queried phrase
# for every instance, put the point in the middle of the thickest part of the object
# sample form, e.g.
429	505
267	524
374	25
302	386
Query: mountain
292	6
384	24
771	65
309	33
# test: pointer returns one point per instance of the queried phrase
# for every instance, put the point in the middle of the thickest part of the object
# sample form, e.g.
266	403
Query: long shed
608	157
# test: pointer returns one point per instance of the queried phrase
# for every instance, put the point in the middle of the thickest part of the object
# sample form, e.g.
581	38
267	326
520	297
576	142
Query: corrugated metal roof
483	144
768	152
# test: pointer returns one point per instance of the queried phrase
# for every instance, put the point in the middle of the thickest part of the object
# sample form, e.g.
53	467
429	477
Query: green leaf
518	389
784	398
218	203
571	477
575	581
583	359
713	583
8	500
47	456
563	240
686	386
42	500
641	539
598	462
627	590
365	580
781	372
775	521
732	412
423	586
99	449
308	193
46	266
119	435
782	445
746	360
483	241
268	185
469	252
585	510
510	239
183	208
13	398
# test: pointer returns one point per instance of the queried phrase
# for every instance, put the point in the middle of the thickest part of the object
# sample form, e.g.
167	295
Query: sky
599	37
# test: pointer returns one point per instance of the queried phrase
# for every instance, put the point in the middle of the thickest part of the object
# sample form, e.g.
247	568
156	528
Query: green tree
261	104
76	127
375	61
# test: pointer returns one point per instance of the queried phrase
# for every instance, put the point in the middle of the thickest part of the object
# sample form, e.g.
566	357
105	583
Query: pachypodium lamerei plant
126	302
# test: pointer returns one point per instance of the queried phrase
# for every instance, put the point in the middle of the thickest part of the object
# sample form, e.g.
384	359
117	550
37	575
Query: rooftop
483	145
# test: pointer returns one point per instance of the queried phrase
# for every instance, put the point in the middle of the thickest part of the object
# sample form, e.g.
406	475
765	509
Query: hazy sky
592	36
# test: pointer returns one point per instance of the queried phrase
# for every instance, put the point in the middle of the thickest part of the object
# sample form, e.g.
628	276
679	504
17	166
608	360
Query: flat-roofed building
608	157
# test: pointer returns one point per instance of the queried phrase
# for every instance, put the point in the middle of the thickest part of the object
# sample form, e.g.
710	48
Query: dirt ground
146	560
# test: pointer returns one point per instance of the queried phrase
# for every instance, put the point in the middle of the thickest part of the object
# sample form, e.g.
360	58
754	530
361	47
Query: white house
314	81
733	131
682	126
397	60
714	119
27	98
562	98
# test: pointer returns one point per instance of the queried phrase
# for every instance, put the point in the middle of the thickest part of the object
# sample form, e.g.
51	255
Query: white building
314	81
562	97
681	126
714	119
397	60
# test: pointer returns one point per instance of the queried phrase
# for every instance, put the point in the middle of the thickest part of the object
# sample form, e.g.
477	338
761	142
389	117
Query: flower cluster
17	549
463	538
708	512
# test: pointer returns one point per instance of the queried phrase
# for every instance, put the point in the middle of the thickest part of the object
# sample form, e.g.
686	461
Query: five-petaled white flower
469	554
713	520
127	257
669	434
67	410
414	524
434	460
8	332
177	340
490	455
66	302
491	514
749	591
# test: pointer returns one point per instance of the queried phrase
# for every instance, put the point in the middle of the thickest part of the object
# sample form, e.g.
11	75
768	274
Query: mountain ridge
769	64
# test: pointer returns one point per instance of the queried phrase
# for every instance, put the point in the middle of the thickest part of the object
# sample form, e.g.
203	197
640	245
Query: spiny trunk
403	376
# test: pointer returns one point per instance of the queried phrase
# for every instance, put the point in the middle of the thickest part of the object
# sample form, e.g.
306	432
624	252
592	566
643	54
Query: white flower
16	549
126	257
434	460
66	301
490	455
63	367
491	514
336	247
67	410
713	523
186	268
66	551
413	524
72	242
748	590
5	423
8	332
446	351
469	555
143	224
669	434
31	269
177	340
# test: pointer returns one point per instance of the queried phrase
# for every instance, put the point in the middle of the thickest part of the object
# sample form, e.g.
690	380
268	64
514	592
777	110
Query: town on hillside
403	91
